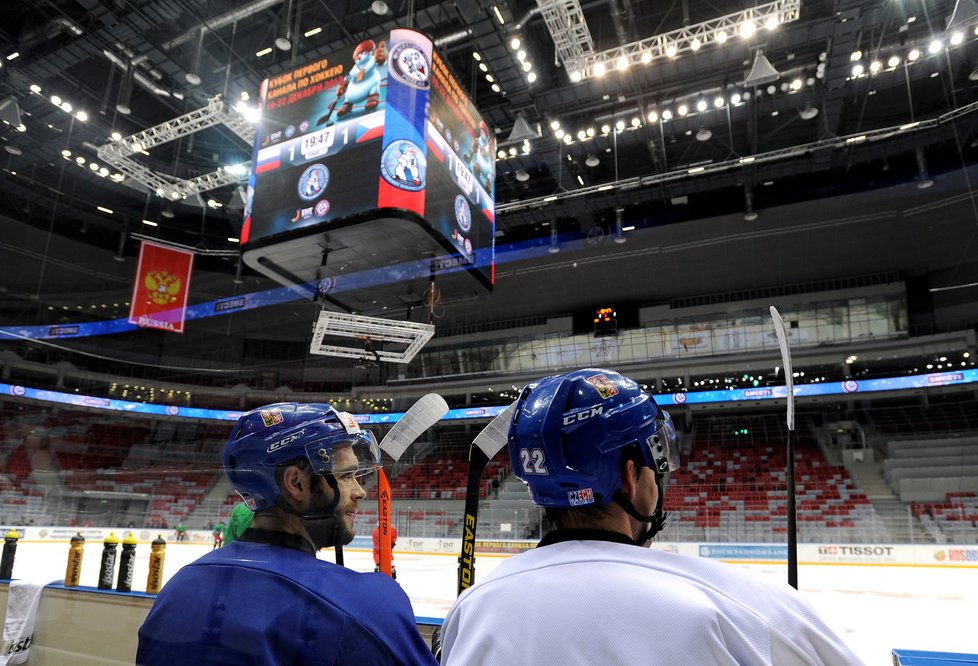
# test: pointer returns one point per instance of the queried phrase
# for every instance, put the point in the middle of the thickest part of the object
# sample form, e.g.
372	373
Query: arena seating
733	487
926	469
173	464
443	471
952	521
20	438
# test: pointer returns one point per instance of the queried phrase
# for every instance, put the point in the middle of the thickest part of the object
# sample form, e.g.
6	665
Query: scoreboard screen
379	130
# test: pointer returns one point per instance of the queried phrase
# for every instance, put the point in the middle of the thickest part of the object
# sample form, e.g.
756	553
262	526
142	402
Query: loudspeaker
762	71
9	111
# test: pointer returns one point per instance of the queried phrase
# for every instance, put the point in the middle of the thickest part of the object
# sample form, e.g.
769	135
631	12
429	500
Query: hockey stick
788	383
423	414
329	112
385	546
485	445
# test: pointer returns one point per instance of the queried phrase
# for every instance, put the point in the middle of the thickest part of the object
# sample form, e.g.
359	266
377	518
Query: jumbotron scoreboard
378	136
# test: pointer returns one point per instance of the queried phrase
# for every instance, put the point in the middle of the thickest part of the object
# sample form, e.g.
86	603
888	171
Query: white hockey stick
789	385
423	414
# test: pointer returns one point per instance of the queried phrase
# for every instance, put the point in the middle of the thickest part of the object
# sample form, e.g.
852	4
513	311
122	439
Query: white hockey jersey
598	602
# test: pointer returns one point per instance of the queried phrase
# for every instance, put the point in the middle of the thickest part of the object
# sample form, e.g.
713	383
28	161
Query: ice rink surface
873	608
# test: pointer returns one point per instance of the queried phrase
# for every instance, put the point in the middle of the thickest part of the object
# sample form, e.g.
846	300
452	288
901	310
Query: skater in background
596	451
376	539
266	598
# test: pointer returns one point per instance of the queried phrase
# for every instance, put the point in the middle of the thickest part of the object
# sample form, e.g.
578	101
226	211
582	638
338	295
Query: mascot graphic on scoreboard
407	168
480	157
360	89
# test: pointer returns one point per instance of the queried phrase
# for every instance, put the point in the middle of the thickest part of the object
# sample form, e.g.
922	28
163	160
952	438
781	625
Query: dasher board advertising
379	130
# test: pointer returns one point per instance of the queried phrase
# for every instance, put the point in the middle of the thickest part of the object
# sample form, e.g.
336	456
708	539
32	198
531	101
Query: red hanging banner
161	287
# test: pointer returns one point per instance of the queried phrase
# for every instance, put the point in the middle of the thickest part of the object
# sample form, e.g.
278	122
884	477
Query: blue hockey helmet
568	430
270	436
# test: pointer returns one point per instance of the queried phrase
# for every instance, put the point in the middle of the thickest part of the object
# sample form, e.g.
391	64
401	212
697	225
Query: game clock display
378	130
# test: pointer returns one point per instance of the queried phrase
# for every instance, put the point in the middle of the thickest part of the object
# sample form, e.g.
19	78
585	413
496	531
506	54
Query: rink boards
876	596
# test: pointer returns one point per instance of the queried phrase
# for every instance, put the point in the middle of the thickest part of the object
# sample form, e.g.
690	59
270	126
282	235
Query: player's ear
629	471
294	483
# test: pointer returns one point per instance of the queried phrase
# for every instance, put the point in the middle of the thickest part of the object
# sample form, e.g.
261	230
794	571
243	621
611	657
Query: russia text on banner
161	287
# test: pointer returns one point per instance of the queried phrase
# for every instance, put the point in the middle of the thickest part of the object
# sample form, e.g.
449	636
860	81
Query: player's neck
279	521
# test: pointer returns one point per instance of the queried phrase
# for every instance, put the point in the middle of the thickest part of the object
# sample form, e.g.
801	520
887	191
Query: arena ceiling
751	139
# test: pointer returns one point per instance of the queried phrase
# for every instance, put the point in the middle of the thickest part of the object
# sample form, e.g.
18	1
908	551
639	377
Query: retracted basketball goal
334	332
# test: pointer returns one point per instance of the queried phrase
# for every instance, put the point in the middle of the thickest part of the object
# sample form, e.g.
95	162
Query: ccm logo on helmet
285	441
583	416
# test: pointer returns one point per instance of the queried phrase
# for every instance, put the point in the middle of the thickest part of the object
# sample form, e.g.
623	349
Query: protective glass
322	454
663	445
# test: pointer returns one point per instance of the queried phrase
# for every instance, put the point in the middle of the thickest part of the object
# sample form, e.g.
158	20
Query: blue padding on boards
928	658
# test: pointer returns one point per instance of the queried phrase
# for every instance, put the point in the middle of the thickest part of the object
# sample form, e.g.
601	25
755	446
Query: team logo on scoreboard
313	181
408	63
463	215
403	165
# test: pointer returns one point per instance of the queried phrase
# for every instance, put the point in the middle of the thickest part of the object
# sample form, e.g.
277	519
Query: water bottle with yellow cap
9	551
106	571
126	564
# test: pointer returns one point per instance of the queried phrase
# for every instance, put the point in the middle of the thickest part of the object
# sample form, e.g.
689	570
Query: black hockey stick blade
485	445
779	329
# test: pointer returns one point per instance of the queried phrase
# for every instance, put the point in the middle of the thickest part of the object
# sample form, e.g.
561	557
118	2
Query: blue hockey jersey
252	602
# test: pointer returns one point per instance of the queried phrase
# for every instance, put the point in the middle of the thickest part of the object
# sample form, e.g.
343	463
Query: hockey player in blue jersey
595	451
266	598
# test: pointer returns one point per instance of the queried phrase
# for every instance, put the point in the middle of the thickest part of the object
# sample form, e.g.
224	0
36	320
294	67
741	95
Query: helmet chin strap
321	524
656	521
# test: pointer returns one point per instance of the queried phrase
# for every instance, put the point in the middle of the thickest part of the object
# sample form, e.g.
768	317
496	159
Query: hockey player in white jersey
595	450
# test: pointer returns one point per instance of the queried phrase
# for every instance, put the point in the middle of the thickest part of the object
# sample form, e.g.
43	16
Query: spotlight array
484	67
904	54
525	64
746	24
689	106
